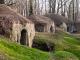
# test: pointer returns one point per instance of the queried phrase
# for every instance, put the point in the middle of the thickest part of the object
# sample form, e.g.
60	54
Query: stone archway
24	37
51	29
44	46
39	27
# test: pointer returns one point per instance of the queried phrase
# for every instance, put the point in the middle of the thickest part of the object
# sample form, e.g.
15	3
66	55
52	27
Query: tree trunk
31	7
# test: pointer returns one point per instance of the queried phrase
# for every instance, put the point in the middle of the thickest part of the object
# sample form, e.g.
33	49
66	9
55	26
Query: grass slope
13	51
62	41
63	55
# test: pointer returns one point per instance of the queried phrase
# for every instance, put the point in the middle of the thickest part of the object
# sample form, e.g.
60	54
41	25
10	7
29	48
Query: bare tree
30	7
52	6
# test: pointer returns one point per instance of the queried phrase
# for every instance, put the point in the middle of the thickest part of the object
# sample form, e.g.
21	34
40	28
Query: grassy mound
13	51
63	55
62	41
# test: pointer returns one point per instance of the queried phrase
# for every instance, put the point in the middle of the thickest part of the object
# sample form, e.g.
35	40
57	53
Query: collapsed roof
58	19
40	19
10	14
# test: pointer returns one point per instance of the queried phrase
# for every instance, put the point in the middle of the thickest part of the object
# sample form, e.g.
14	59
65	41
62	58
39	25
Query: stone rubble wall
16	33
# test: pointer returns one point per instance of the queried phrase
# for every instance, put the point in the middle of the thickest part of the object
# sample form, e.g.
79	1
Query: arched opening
48	47
51	29
39	27
71	28
23	38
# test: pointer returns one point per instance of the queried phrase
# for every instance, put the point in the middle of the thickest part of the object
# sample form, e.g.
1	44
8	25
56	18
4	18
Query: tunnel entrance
39	27
48	47
72	28
51	29
23	37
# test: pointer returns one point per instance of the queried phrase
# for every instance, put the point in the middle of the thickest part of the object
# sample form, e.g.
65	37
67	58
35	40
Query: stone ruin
43	24
60	21
21	29
15	26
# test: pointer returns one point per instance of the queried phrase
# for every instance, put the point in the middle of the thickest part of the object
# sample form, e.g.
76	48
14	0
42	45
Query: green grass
62	41
65	46
14	51
63	55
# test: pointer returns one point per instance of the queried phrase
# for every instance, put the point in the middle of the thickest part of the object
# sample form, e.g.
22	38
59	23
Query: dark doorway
72	28
39	27
51	29
43	46
23	37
